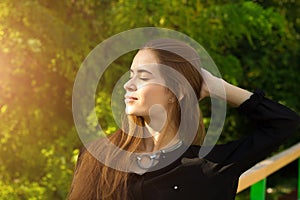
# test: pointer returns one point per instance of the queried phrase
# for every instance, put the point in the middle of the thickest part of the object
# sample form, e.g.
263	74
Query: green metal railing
258	190
256	177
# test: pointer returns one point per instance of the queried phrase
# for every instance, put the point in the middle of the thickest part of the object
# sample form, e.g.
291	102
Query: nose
130	85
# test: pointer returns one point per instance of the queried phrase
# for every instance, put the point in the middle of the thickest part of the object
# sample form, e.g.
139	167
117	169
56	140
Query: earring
171	100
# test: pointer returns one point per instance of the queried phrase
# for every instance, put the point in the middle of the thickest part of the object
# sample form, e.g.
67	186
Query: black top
215	177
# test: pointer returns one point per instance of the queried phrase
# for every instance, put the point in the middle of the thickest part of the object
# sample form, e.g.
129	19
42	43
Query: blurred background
255	44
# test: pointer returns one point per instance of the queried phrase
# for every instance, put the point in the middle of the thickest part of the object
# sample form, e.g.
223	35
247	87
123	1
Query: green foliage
25	190
42	45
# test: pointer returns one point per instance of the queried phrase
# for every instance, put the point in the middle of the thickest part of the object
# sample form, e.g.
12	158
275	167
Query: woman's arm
274	123
215	87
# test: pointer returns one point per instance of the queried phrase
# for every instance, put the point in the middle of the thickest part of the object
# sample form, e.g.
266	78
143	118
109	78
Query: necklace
148	160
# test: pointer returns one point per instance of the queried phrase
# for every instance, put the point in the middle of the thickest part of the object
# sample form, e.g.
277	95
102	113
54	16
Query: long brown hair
95	180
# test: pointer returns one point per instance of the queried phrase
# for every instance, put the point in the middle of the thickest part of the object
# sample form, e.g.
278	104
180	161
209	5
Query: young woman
162	134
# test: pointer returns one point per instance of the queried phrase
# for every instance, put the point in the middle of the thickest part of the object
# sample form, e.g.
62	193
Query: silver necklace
148	160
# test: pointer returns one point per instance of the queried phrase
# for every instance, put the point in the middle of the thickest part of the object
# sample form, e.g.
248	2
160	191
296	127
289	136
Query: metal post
258	190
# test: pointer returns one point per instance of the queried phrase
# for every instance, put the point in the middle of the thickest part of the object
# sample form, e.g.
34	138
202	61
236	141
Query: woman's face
145	89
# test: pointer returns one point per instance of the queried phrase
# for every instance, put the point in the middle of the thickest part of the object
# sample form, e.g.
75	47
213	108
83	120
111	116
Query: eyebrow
141	71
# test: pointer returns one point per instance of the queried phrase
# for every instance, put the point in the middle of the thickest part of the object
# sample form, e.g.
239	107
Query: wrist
236	95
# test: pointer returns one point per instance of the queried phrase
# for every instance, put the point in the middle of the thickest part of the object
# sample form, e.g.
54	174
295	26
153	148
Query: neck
163	138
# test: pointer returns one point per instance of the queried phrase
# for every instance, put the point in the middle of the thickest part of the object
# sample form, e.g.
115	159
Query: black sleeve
274	124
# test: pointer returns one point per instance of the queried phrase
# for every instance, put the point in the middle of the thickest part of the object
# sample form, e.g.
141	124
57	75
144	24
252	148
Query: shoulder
90	150
97	148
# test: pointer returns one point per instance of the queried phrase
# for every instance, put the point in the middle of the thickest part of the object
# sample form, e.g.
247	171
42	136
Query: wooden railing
255	178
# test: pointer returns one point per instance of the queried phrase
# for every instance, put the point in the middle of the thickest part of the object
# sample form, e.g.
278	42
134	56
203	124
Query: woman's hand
219	88
209	85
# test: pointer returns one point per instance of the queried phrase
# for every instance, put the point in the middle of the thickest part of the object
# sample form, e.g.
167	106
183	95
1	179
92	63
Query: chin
132	111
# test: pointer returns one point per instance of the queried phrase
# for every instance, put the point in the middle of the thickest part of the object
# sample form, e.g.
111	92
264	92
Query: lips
129	99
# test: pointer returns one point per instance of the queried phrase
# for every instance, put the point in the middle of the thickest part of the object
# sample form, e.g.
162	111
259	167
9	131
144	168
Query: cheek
154	95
